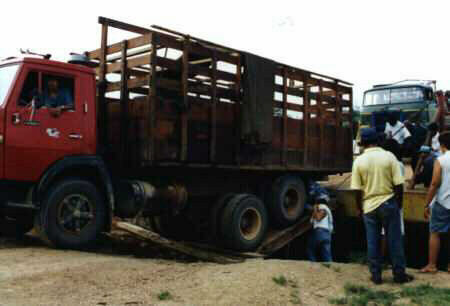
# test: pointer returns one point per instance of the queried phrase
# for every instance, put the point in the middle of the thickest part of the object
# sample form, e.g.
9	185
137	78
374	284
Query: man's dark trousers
388	216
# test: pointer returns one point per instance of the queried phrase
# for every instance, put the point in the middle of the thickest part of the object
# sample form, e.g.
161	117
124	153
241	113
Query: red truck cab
50	173
33	138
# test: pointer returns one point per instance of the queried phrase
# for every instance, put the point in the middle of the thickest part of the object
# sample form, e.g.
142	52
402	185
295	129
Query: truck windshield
7	75
395	95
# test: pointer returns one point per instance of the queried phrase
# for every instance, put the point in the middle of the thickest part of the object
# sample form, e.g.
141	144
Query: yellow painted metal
413	204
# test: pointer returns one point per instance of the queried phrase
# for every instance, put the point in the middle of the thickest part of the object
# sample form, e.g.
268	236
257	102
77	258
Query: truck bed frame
169	99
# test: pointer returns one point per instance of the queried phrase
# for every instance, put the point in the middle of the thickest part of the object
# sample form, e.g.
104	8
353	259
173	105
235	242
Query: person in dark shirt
56	99
426	170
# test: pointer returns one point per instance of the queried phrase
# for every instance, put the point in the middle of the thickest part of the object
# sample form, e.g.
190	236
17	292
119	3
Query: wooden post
237	113
213	127
321	116
103	111
152	100
184	93
338	113
305	121
124	97
285	119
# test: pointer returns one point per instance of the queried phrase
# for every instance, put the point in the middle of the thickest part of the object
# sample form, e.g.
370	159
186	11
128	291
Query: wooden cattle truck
202	141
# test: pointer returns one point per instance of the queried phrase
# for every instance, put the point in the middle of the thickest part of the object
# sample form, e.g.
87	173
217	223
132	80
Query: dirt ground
34	274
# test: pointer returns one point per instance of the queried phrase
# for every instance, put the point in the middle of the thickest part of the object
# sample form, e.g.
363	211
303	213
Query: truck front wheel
73	214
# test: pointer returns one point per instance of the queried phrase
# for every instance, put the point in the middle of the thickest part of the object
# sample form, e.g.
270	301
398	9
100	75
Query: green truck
413	100
409	98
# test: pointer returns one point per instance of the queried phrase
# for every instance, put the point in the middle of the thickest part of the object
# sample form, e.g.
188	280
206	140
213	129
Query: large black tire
73	214
286	202
244	223
216	215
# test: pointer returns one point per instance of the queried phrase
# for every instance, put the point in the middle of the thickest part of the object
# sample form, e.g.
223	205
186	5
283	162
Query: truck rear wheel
244	222
286	201
216	214
74	214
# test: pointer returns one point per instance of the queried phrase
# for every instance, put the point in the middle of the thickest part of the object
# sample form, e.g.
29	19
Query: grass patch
356	295
295	299
293	286
427	295
280	280
164	296
326	265
338	301
361	296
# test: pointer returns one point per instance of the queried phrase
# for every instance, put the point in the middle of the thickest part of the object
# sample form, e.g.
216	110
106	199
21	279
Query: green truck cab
412	100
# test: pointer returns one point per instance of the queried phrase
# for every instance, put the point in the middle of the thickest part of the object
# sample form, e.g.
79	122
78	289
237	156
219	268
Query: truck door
36	137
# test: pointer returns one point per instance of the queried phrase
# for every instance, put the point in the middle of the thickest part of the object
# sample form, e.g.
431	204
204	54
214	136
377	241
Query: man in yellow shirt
376	173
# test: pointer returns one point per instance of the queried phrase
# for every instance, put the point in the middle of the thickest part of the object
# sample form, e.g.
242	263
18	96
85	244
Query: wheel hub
290	202
75	213
250	224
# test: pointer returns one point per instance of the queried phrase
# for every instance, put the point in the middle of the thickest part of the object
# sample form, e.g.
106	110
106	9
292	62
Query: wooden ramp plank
278	239
174	245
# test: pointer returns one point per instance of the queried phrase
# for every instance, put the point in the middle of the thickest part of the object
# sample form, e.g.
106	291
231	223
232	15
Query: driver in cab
56	99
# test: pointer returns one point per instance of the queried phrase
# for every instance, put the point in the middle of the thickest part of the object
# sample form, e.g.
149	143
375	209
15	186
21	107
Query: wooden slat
213	123
284	129
185	248
122	25
206	71
184	92
338	120
222	52
114	48
299	74
169	41
290	106
277	239
322	123
103	114
133	62
124	96
305	124
152	98
237	114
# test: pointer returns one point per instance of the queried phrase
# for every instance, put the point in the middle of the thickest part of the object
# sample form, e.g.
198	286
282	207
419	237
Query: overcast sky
363	42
